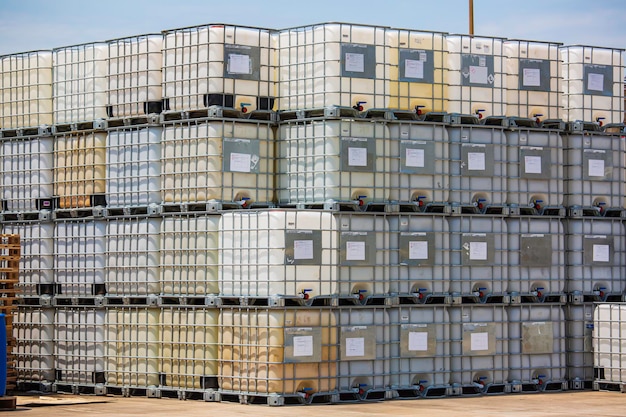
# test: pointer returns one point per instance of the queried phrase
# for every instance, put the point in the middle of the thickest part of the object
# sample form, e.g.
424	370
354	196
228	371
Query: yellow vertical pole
471	17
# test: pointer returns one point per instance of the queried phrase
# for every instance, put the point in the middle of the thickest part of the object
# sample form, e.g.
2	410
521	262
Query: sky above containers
27	25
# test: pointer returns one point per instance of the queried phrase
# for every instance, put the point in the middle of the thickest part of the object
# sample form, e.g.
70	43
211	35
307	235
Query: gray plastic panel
417	157
599	250
479	339
477	70
358	343
535	162
597	164
537	337
536	250
417	340
242	62
303	344
534	74
478	160
416	65
598	80
417	248
303	247
357	154
478	249
358	248
358	61
241	155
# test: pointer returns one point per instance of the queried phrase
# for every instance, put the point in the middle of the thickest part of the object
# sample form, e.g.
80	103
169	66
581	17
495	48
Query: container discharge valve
600	292
359	105
481	292
480	203
306	393
600	121
360	294
480	382
538	117
361	200
420	201
418	110
305	293
420	293
244	202
360	389
422	385
539	380
244	107
538	292
537	204
479	113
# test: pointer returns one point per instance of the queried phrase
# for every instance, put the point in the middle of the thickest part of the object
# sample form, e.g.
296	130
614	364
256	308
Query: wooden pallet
10	253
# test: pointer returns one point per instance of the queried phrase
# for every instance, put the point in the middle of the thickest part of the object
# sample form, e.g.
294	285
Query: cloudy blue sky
27	25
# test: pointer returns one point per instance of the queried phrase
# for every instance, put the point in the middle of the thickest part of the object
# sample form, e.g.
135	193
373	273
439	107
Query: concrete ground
572	403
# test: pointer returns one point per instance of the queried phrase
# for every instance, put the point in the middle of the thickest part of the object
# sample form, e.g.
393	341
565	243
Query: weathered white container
478	166
420	245
333	64
476	72
33	329
26	89
419	162
134	82
533	79
302	253
595	259
27	167
579	327
420	351
535	168
327	160
417	67
595	170
221	160
608	343
224	65
80	169
131	347
189	348
364	354
133	166
593	84
479	360
132	256
536	259
80	257
37	275
536	349
80	82
478	258
79	335
190	254
286	353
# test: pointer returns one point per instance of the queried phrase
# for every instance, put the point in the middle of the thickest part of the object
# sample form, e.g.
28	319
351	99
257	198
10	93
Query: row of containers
313	355
316	66
452	163
303	258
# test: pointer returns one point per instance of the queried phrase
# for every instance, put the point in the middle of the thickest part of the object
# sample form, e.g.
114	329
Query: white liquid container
420	265
595	259
595	172
224	65
223	160
132	347
479	360
300	253
26	89
478	258
333	64
333	160
79	334
364	354
533	79
80	169
579	345
536	258
27	167
79	257
416	72
536	349
420	351
132	253
476	72
284	352
133	166
608	343
190	255
37	273
33	329
134	82
189	349
419	170
593	84
80	82
478	167
535	169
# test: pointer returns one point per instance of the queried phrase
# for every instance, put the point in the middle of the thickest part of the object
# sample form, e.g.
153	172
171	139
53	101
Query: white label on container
482	61
357	157
415	158
480	341
595	82
532	164
478	251
239	64
476	161
418	250
596	167
413	68
355	346
303	346
303	249
418	341
240	162
601	253
355	251
478	75
532	77
355	62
